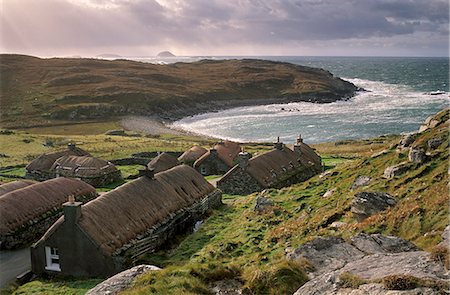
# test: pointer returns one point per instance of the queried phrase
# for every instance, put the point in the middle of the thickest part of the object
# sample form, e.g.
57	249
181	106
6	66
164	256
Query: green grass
57	287
129	170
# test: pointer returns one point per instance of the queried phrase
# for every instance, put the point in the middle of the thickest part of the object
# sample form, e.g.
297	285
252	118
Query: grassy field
47	92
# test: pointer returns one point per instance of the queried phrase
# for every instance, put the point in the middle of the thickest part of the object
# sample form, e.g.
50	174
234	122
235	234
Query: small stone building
26	213
106	235
94	171
14	185
40	168
163	162
277	168
219	159
191	155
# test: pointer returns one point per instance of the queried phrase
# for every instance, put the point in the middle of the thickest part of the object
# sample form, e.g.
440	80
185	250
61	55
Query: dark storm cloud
210	24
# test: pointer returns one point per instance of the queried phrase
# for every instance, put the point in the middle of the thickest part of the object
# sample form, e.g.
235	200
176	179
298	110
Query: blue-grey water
397	101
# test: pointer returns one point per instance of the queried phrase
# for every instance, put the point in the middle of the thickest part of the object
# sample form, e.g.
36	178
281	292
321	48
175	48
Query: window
52	258
203	170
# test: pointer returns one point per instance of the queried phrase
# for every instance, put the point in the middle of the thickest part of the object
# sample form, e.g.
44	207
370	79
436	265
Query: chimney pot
71	199
278	144
72	211
243	159
71	146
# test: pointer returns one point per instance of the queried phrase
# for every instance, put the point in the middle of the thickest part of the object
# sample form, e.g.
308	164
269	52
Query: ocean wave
383	108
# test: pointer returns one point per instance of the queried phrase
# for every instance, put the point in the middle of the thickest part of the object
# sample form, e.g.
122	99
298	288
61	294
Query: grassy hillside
237	243
45	92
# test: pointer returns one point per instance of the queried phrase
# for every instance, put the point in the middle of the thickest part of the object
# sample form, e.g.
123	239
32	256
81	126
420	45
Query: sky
225	27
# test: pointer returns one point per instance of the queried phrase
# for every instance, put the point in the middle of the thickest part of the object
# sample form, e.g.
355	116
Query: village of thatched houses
106	235
191	155
163	162
219	159
75	163
27	211
277	168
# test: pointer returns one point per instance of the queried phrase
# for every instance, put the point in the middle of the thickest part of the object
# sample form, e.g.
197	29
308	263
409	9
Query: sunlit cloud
222	27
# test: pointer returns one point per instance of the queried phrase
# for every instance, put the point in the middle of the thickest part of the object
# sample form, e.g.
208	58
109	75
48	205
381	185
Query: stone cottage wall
213	164
239	182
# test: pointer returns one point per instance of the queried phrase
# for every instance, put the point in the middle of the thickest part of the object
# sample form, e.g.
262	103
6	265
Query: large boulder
407	140
376	243
417	155
331	253
370	258
366	204
396	170
263	204
121	281
326	253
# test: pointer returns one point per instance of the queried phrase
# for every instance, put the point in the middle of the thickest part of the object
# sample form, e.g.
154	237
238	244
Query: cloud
217	26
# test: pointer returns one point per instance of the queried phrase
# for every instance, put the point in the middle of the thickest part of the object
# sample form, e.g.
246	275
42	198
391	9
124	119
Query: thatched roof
163	162
83	166
117	217
192	154
272	166
227	151
45	162
22	205
12	186
308	153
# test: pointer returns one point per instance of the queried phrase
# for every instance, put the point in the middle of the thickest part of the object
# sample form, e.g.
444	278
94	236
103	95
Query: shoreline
157	124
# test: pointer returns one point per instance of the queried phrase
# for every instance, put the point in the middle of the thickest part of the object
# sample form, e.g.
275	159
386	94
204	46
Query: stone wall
131	161
97	181
39	175
239	182
212	165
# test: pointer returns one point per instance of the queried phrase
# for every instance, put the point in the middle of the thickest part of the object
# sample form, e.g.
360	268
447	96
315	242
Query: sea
398	98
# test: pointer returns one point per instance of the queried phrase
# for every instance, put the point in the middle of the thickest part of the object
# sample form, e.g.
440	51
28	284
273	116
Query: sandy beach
153	126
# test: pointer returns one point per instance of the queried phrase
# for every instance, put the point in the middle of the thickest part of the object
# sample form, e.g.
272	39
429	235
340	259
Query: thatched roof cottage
277	168
191	155
26	213
162	162
219	159
14	185
40	168
94	171
107	234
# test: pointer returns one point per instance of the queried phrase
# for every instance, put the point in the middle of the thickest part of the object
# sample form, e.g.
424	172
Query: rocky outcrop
429	123
366	204
417	155
121	281
329	192
434	143
360	181
396	170
368	257
263	204
407	140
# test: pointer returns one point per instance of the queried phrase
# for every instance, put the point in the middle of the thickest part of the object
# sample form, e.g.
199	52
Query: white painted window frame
50	254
